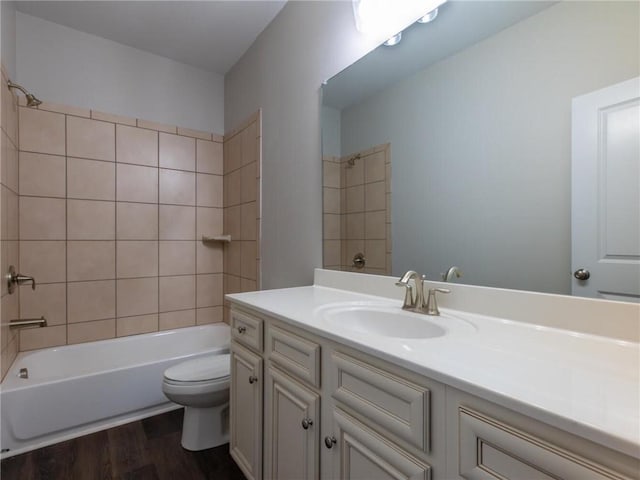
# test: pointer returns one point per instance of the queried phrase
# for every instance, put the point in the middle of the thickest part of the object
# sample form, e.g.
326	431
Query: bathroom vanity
317	391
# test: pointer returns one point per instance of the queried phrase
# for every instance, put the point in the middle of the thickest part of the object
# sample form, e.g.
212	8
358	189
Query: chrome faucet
411	301
450	273
416	302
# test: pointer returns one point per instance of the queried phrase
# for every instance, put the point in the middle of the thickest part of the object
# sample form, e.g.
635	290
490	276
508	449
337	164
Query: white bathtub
79	389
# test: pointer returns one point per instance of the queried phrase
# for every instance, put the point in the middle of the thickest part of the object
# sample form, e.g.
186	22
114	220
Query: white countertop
585	384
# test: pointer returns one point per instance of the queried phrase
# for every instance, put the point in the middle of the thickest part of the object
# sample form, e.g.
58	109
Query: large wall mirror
454	147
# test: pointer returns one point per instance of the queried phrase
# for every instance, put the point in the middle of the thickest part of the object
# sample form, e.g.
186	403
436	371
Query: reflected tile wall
357	210
9	222
112	210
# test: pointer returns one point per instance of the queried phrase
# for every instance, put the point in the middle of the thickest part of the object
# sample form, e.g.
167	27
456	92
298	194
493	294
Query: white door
605	194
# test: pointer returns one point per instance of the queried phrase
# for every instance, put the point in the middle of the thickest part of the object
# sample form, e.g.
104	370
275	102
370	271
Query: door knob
582	274
306	423
253	379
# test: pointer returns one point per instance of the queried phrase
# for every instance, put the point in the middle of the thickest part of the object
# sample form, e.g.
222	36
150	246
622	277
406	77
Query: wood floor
148	449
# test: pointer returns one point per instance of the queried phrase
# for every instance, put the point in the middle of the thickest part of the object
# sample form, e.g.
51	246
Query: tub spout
28	322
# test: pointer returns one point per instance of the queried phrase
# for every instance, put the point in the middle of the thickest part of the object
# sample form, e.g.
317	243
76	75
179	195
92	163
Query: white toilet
202	386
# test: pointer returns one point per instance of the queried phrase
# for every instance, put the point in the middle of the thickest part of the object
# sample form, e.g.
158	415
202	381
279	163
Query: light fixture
380	17
429	17
393	40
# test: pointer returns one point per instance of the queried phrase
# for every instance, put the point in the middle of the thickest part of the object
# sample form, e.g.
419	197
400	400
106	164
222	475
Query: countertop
585	384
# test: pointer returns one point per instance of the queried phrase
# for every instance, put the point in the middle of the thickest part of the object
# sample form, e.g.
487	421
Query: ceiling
211	35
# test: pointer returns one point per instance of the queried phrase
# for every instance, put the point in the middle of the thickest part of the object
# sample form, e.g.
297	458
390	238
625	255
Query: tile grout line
115	232
158	226
66	229
195	250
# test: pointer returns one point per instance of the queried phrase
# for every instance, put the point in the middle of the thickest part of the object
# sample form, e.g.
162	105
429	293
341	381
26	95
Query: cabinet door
493	450
364	455
246	411
292	429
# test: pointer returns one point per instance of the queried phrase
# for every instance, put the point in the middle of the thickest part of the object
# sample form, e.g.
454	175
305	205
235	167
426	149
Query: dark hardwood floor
148	449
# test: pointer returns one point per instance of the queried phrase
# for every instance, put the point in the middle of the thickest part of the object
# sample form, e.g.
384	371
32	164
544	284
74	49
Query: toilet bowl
202	386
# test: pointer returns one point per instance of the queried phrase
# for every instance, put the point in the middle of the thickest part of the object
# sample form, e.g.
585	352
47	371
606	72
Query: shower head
32	101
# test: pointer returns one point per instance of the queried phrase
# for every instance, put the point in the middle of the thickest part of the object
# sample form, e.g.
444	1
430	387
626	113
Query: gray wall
307	43
481	145
66	66
8	36
331	145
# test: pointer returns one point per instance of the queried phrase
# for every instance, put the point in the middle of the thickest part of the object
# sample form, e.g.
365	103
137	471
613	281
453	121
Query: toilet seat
211	369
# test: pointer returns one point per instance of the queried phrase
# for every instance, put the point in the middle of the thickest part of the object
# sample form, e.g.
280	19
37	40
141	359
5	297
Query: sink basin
389	321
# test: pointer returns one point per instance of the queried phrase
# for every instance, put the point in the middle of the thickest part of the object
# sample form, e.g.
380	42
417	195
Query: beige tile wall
332	212
242	168
112	210
9	221
357	210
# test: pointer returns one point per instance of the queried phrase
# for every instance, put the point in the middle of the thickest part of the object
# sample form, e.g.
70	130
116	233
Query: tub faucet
28	322
450	273
14	279
411	301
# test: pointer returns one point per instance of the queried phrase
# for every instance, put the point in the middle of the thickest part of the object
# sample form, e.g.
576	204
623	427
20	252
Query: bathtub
78	389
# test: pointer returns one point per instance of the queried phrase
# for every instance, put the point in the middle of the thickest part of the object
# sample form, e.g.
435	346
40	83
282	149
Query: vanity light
393	40
377	17
429	17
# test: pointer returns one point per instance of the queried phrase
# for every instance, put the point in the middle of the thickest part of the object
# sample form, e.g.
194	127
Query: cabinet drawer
294	354
392	404
247	329
491	449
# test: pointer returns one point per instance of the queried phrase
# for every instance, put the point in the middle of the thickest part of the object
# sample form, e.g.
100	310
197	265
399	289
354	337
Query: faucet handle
432	303
408	295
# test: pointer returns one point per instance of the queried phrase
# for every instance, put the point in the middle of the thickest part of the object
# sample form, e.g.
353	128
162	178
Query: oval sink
389	321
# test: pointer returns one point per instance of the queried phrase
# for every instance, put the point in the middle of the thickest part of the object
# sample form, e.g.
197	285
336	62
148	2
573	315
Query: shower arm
11	85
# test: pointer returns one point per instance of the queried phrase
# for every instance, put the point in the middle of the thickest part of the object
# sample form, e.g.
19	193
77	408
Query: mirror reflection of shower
357	211
32	101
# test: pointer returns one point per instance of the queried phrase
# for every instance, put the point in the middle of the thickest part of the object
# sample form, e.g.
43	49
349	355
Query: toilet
202	386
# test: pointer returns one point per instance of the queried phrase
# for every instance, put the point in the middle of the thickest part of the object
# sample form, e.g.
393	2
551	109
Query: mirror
473	111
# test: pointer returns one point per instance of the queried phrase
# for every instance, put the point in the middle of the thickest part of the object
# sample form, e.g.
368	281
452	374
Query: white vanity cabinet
383	419
490	442
333	412
316	391
246	395
292	407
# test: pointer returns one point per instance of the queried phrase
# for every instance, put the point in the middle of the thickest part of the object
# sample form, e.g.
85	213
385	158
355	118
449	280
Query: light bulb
429	17
393	40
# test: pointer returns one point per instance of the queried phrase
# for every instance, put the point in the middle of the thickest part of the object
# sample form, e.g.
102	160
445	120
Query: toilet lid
210	367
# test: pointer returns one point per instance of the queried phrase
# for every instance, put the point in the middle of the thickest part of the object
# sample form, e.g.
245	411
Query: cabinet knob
242	329
306	423
253	379
330	441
